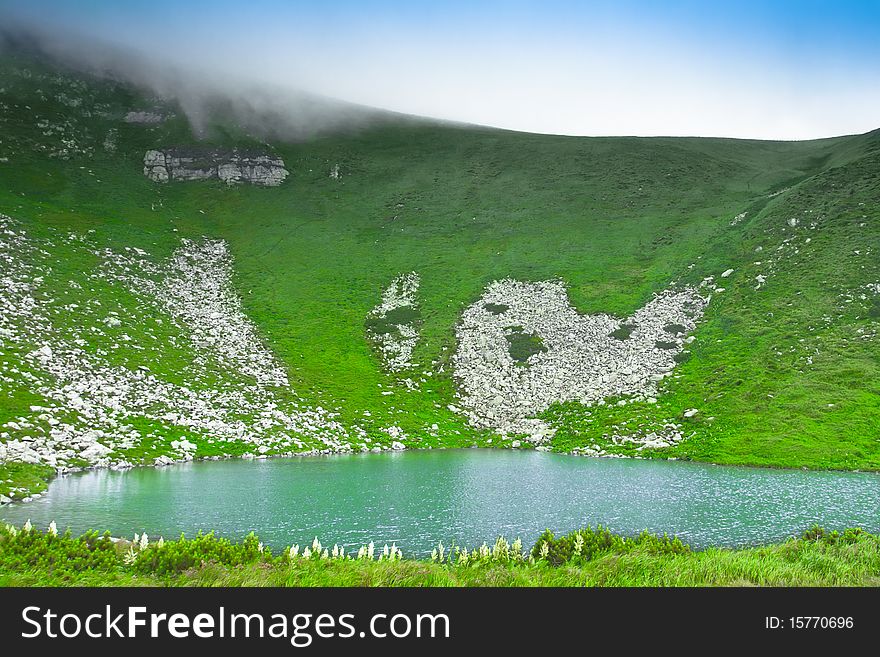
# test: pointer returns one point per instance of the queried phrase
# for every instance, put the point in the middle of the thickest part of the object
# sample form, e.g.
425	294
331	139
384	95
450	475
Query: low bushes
584	557
174	557
60	556
585	544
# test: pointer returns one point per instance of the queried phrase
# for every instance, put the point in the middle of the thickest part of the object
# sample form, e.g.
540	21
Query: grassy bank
590	557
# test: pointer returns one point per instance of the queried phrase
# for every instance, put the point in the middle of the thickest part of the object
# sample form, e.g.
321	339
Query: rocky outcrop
229	166
144	118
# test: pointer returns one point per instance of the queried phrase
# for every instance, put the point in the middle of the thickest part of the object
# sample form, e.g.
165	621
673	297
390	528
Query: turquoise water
417	498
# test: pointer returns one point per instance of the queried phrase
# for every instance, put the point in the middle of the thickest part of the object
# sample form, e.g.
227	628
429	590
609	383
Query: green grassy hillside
784	368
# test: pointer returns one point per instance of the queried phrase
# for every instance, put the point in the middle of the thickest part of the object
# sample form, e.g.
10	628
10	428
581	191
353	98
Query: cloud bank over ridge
778	70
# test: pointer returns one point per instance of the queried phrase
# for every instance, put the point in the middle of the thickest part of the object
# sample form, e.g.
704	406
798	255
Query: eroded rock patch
393	324
97	403
523	347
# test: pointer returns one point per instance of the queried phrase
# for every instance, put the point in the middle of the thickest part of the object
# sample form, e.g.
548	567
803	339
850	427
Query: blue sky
773	69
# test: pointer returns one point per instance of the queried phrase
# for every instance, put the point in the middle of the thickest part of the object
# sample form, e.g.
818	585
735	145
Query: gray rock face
231	167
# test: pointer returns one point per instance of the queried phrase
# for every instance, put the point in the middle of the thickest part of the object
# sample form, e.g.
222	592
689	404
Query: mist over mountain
205	96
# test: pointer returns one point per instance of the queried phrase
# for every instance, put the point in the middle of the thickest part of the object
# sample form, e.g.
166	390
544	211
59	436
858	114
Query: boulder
94	452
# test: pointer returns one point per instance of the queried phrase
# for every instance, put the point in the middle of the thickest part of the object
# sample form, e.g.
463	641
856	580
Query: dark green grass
624	332
388	323
522	345
496	308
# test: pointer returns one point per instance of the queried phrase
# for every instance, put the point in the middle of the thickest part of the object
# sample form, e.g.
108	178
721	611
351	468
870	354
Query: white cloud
587	82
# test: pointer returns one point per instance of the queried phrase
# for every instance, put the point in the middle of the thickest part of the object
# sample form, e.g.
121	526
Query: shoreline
326	453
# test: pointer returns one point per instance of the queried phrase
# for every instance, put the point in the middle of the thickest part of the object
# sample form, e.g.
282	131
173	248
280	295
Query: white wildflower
53	528
130	557
516	548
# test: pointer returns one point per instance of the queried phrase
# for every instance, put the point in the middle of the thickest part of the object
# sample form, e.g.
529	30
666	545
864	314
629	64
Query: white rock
94	452
396	348
229	166
585	358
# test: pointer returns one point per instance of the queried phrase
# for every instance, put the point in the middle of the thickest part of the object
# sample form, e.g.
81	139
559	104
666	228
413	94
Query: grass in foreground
588	557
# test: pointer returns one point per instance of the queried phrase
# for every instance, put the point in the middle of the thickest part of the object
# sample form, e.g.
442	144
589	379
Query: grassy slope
616	218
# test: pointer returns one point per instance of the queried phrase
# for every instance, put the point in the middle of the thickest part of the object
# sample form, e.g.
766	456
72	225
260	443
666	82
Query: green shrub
585	544
57	555
818	534
175	557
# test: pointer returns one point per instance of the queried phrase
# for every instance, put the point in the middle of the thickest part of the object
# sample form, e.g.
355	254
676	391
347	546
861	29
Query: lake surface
418	498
